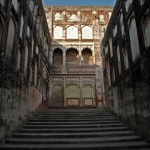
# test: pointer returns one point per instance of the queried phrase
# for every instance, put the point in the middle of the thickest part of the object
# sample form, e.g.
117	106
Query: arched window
106	49
115	30
142	2
72	32
110	45
87	32
119	59
15	4
31	4
134	39
58	32
21	25
101	18
2	2
1	30
108	73
32	49
125	58
19	59
109	14
128	3
87	58
113	74
58	57
26	58
35	74
31	74
10	37
146	30
72	57
122	23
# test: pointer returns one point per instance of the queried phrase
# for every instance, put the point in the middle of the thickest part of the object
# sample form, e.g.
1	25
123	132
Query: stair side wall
127	83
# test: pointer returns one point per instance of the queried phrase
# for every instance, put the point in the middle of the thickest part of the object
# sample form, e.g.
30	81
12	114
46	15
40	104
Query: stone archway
72	56
87	58
57	57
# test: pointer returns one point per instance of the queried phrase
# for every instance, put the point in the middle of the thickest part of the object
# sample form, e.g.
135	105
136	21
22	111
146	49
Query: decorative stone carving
73	17
58	17
86	16
109	14
101	18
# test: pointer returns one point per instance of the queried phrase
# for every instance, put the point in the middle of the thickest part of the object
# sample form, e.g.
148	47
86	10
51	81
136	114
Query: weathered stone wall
127	52
16	106
24	62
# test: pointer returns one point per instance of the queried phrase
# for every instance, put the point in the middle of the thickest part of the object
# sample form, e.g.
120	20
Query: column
64	61
64	57
93	55
80	57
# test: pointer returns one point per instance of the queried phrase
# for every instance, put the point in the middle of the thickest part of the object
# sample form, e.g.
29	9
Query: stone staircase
72	129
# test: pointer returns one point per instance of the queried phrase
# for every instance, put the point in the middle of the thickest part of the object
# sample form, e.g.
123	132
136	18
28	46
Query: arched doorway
87	58
57	57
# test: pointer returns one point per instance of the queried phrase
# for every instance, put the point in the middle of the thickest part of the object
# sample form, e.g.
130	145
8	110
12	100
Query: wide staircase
72	129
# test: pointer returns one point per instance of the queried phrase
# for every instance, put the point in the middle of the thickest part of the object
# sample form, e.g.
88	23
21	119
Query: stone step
98	146
62	126
74	140
73	114
72	130
70	135
70	122
88	116
71	119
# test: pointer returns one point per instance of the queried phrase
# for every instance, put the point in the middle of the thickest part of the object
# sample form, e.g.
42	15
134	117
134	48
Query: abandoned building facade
76	65
126	57
24	61
52	55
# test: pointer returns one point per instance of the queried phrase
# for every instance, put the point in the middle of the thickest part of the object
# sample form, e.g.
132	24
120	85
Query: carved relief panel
73	16
86	16
59	16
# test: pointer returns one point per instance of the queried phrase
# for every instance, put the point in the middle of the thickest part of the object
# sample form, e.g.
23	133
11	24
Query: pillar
64	61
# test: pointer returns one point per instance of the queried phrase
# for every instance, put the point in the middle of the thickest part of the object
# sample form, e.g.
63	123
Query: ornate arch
87	57
72	56
146	29
57	57
72	32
